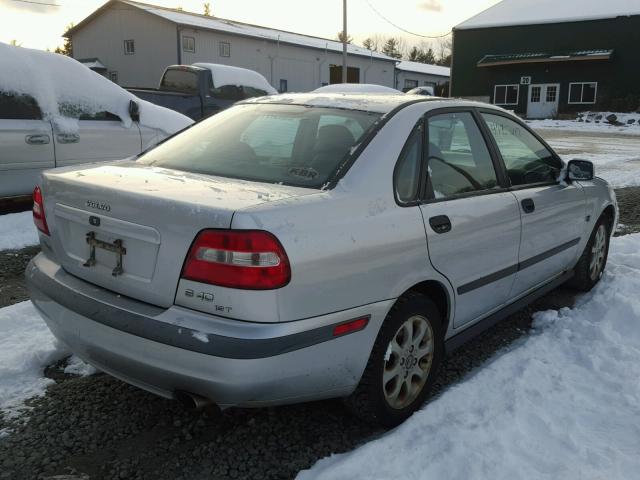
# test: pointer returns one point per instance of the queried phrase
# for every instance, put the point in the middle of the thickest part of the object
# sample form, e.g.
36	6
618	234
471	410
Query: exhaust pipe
194	401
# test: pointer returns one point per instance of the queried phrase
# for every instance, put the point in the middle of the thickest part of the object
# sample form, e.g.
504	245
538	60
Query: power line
38	3
404	29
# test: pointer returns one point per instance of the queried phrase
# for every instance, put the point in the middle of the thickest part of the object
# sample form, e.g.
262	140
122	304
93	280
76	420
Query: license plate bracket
116	247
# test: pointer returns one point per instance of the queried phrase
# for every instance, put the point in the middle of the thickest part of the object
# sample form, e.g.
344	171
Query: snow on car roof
424	68
533	12
227	75
357	88
256	31
54	80
378	103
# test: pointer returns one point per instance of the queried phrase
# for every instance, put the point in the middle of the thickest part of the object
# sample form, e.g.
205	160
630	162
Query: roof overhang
520	58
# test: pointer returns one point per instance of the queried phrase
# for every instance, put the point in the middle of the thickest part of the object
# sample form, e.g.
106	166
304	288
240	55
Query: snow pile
54	80
593	122
26	347
17	231
356	88
563	403
226	75
534	12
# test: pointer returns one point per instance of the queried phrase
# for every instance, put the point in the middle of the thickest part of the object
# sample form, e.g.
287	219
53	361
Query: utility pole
344	41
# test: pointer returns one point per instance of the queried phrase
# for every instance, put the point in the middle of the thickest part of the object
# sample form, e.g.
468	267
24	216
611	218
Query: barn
545	59
137	41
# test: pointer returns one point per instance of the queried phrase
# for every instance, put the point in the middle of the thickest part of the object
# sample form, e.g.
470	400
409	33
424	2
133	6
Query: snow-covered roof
418	67
54	80
534	12
357	88
239	28
227	75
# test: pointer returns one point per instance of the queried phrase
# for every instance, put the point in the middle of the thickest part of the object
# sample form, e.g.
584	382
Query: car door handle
440	224
527	205
37	139
68	137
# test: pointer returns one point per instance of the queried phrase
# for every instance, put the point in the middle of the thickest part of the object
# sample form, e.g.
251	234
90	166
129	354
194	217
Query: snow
201	337
562	403
425	68
54	79
17	231
356	88
255	31
594	122
26	348
533	12
226	75
616	155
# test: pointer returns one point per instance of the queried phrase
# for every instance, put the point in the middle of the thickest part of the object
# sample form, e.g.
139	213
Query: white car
55	112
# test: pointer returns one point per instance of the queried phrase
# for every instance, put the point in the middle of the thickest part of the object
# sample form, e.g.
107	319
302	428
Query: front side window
506	94
288	144
189	44
458	160
18	107
250	92
527	160
129	47
583	93
225	49
72	110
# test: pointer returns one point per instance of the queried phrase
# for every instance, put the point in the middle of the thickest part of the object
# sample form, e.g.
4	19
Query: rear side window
459	161
407	174
184	81
288	144
18	107
527	160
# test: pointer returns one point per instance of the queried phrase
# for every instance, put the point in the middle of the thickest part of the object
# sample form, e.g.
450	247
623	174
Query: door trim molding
500	274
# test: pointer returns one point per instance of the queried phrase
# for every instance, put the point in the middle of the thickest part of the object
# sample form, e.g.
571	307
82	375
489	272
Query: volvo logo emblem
98	205
95	221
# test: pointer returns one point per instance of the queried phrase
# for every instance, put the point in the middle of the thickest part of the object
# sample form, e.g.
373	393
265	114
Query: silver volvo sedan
308	246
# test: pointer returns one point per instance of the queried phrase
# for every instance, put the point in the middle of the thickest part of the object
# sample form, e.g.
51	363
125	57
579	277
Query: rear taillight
246	259
38	211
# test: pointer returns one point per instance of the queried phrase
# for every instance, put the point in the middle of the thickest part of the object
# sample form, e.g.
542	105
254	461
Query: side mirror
580	170
134	110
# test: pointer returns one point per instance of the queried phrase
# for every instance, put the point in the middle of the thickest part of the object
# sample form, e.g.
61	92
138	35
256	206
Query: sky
41	26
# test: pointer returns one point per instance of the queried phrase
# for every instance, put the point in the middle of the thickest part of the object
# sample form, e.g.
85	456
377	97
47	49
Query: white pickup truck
55	112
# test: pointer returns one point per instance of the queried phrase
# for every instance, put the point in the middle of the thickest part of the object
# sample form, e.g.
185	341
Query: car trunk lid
128	228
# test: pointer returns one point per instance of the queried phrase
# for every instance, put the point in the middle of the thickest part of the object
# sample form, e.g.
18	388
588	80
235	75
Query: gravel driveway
99	428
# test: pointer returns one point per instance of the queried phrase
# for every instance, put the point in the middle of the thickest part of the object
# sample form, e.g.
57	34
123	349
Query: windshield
288	144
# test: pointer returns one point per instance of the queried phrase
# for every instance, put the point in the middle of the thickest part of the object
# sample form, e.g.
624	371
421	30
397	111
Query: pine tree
370	44
340	37
392	48
67	46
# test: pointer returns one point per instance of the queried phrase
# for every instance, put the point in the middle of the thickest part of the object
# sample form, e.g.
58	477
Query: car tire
404	361
593	260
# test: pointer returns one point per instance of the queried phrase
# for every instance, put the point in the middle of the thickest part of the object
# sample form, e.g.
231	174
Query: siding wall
156	48
616	78
155	44
304	68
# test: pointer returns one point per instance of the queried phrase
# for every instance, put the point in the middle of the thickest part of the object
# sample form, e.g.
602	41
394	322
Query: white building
137	41
413	74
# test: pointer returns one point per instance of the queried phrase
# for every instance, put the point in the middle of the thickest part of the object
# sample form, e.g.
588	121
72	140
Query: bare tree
207	9
340	37
15	43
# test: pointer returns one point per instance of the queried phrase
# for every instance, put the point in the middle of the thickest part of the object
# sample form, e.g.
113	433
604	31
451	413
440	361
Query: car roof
368	102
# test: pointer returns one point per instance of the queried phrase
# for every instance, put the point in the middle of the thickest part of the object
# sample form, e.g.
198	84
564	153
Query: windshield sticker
307	173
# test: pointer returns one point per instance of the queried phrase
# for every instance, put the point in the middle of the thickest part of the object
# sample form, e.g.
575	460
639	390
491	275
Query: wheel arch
610	214
439	294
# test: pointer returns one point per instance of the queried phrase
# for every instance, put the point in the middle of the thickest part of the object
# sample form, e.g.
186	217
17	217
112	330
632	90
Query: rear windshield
180	81
288	144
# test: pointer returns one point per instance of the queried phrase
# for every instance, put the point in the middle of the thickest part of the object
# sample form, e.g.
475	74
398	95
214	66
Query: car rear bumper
227	361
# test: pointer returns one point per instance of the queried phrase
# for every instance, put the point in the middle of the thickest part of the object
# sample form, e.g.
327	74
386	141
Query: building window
552	93
583	92
284	87
189	44
535	94
113	76
409	84
225	49
129	47
506	94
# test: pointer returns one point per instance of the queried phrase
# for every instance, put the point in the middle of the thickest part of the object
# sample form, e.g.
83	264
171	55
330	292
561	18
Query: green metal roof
542	57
